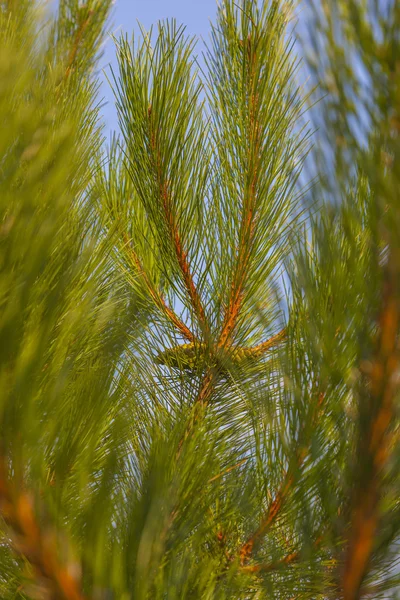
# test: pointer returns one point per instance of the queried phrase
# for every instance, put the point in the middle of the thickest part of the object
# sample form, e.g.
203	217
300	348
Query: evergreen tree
199	367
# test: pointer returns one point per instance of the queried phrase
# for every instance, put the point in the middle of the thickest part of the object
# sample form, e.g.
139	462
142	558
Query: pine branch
249	214
55	578
377	399
155	294
164	188
276	505
290	558
268	520
167	153
77	41
78	32
261	155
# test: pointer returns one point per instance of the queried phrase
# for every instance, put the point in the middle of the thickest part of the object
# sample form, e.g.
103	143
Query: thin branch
376	441
291	557
170	221
261	349
155	294
276	505
228	470
78	37
182	256
30	541
249	220
269	518
272	566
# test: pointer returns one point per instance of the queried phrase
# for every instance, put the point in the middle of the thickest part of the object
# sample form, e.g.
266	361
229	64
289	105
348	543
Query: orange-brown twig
272	566
38	546
262	348
182	258
249	216
291	557
228	470
376	440
155	294
269	518
276	505
165	195
242	264
78	37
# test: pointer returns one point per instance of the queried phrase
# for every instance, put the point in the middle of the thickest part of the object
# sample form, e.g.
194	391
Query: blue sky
195	14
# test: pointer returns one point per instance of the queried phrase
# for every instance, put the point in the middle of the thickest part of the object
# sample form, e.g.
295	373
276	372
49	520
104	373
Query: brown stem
165	195
276	505
291	557
182	257
228	470
156	296
272	566
237	289
78	37
257	351
269	518
247	227
376	440
36	545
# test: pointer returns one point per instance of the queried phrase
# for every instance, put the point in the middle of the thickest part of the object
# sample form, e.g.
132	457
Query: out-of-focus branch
37	545
77	41
290	558
228	470
377	394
